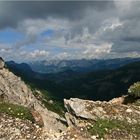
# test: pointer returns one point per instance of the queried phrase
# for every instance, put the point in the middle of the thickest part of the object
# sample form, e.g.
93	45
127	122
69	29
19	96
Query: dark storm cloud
132	39
108	28
13	12
125	38
126	46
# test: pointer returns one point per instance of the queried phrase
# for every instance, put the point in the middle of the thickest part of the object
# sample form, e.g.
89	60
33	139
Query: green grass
16	111
57	106
102	127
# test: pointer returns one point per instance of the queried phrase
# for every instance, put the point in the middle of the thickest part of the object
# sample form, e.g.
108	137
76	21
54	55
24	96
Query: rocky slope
104	120
14	90
85	119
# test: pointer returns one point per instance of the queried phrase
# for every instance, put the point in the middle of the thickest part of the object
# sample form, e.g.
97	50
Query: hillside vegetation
102	85
98	85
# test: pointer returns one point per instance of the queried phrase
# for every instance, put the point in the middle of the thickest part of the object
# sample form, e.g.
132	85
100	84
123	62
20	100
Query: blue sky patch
10	36
47	33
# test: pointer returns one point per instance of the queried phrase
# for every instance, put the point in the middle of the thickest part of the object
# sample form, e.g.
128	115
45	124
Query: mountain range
82	65
102	84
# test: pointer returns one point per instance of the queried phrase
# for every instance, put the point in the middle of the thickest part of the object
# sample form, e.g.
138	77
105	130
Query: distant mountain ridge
102	85
83	65
95	85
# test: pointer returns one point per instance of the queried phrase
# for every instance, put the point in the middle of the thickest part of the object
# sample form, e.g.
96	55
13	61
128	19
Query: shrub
134	90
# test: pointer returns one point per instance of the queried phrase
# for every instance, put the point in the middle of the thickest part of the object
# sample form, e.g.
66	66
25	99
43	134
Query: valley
95	85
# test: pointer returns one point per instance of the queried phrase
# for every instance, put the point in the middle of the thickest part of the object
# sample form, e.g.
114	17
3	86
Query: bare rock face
1	63
84	108
14	90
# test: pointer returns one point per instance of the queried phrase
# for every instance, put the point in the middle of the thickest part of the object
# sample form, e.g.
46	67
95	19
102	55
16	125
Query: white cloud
110	32
61	56
36	26
97	51
39	53
32	28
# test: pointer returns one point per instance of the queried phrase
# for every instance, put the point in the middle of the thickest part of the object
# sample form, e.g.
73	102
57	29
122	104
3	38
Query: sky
46	30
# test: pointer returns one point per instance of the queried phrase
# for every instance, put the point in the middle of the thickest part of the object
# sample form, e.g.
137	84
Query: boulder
84	108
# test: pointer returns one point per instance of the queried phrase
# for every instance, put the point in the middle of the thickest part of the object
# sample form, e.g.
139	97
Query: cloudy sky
42	30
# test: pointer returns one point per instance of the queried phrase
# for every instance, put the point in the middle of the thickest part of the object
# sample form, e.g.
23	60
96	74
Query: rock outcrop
93	110
112	119
84	109
14	90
